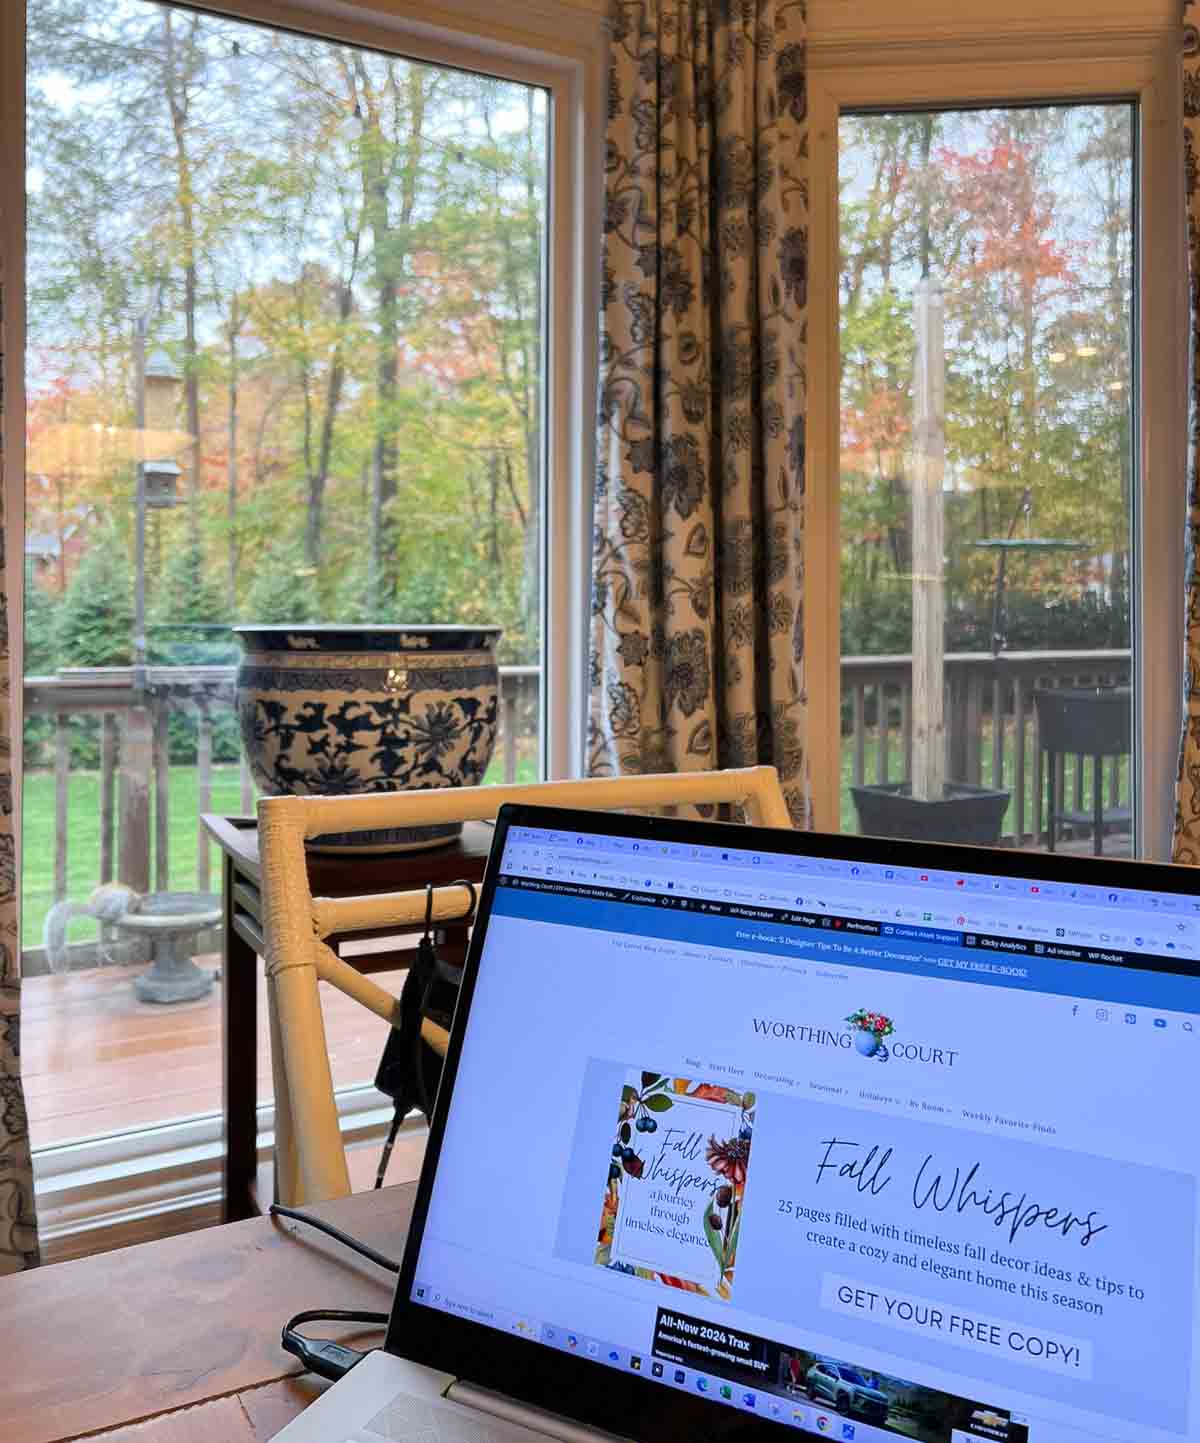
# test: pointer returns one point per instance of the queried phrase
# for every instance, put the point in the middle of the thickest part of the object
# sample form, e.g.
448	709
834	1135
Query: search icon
1187	1027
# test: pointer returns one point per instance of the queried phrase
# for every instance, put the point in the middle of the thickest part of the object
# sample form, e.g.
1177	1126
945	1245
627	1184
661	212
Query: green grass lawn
83	837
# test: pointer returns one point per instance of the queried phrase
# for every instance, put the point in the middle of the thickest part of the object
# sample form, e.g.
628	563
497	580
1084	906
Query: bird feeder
162	484
163	382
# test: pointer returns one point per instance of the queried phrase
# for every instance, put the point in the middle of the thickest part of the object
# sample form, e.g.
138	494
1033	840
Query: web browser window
866	1151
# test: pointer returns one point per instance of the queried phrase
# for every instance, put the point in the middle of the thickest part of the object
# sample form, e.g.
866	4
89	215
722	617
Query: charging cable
320	1355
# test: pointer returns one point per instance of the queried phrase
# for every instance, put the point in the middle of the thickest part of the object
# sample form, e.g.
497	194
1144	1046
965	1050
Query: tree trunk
176	76
381	158
319	477
231	459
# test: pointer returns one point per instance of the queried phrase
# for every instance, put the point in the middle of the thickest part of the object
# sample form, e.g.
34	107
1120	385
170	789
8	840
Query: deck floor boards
95	1060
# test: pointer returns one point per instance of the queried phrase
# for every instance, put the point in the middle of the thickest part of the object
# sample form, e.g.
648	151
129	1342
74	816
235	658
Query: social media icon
776	1409
614	1356
749	1400
680	1376
1160	1022
1131	1018
1101	1014
572	1340
847	1431
656	1369
799	1417
726	1391
593	1350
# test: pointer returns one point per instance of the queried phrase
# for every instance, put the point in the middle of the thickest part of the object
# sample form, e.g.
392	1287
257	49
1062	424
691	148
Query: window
987	473
1028	65
310	290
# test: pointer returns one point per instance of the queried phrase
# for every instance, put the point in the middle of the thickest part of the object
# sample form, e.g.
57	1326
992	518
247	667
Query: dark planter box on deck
966	813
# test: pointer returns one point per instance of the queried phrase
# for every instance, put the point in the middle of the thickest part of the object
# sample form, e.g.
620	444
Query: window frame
1126	52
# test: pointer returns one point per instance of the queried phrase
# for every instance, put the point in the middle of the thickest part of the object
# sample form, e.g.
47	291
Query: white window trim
563	48
929	53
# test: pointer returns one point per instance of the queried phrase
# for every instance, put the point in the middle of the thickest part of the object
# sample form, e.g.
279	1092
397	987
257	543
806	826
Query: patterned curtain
1187	797
18	1226
698	625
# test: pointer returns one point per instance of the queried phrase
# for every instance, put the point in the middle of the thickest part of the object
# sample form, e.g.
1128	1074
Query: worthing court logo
870	1030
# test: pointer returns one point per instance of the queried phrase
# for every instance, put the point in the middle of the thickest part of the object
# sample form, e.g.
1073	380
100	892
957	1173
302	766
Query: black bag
410	1070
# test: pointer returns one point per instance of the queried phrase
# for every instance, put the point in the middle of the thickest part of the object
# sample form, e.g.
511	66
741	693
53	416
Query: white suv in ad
846	1390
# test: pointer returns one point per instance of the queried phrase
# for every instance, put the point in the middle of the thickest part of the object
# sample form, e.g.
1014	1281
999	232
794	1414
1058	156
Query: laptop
753	1133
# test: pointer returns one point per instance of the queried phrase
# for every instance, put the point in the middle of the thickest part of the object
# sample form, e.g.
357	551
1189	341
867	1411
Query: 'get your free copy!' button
1028	1343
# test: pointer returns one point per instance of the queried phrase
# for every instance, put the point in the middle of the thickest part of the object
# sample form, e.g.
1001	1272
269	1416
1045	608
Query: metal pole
139	584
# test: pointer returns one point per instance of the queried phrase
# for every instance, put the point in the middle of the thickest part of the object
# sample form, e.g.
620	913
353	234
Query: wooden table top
177	1341
334	875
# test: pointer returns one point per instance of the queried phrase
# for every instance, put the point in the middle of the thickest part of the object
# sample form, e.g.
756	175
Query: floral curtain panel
18	1229
698	626
1187	803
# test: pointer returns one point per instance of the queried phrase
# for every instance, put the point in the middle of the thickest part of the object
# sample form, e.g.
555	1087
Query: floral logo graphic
870	1031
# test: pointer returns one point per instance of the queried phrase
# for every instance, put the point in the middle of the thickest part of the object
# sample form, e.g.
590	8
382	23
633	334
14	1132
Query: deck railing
990	725
135	765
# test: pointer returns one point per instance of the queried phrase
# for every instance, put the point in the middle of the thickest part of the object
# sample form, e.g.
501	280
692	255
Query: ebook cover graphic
676	1184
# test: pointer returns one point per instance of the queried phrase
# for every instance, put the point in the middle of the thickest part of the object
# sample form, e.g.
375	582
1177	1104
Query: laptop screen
858	1147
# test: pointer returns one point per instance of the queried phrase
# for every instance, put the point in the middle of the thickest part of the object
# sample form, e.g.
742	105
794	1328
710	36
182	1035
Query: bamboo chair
310	1161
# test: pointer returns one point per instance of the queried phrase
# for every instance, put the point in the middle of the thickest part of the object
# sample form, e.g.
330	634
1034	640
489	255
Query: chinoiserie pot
866	1042
331	710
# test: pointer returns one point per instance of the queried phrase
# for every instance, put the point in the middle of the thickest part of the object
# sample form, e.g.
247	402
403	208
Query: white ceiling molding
860	25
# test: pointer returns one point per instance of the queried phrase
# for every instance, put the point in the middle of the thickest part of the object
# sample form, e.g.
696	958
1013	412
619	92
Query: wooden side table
329	875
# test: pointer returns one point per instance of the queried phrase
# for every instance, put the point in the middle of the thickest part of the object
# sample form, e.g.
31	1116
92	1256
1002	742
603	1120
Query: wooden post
247	786
62	783
509	732
137	755
108	793
162	798
204	748
928	543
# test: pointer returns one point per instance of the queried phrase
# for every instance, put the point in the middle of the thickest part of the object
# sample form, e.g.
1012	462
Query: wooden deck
95	1060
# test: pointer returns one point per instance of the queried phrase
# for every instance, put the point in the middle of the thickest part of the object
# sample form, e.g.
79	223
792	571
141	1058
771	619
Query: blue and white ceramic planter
330	710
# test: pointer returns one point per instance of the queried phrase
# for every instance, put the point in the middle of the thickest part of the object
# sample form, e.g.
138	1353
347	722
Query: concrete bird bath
165	919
